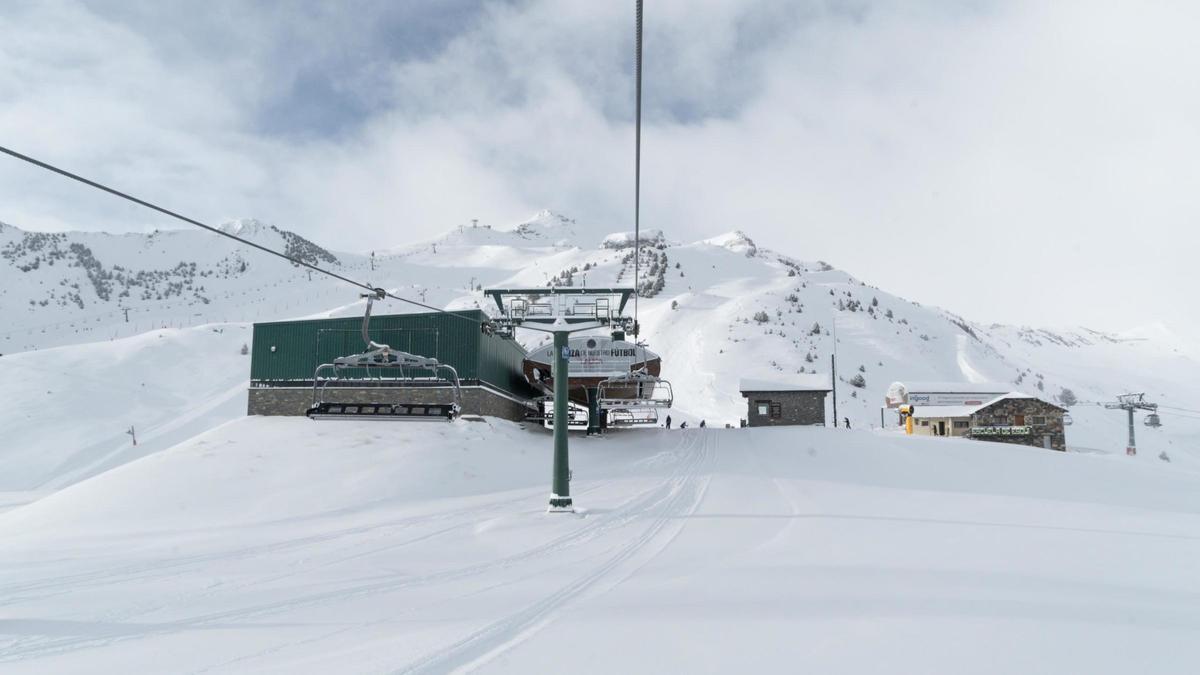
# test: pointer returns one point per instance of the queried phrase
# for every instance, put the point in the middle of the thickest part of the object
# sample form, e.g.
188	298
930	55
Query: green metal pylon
593	401
560	497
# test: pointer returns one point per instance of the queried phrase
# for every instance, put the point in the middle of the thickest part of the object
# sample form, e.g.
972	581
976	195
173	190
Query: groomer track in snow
277	544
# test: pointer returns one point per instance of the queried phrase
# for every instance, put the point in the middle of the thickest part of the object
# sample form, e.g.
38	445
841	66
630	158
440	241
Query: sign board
1002	431
596	355
972	398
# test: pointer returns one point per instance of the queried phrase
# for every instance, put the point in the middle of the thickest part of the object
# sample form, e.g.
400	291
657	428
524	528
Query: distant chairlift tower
1130	403
560	310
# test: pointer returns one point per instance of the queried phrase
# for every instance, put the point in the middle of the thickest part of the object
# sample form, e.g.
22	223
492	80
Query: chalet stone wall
797	408
294	401
1004	413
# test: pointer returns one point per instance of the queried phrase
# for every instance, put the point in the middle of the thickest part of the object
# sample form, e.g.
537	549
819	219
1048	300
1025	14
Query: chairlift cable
154	207
1171	407
637	173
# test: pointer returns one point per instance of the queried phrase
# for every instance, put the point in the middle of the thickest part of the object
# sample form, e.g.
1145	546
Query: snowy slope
283	545
68	409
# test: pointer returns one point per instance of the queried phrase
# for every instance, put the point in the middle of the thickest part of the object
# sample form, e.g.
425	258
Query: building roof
799	382
956	387
936	411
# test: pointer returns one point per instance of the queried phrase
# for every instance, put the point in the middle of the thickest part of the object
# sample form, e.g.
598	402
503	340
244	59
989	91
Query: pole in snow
132	435
1130	403
1131	449
560	497
833	379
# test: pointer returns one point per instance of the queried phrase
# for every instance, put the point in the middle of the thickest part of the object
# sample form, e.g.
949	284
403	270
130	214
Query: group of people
683	424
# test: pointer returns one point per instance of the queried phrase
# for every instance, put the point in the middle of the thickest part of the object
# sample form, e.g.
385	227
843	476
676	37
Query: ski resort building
285	355
1009	418
798	401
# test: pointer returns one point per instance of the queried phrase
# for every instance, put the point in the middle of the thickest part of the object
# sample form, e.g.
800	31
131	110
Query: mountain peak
734	241
246	227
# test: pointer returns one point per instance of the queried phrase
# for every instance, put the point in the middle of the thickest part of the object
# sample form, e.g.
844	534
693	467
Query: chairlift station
285	356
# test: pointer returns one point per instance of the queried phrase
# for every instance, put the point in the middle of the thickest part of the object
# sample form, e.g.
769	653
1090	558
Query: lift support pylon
560	311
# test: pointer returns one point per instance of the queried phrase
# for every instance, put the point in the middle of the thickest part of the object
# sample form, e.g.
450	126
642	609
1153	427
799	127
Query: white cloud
1025	162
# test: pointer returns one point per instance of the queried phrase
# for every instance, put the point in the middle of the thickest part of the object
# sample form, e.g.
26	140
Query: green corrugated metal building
285	354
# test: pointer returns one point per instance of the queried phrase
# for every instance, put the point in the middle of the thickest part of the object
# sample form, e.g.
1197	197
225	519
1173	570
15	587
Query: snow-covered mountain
67	287
718	310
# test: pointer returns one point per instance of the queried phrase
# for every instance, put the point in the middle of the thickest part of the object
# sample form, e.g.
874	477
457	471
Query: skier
668	421
683	425
846	421
701	424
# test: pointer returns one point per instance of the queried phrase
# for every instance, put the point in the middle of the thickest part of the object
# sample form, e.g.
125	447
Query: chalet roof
937	411
799	382
956	387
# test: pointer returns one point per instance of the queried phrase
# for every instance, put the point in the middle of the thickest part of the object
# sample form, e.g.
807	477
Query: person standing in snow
846	421
701	424
668	421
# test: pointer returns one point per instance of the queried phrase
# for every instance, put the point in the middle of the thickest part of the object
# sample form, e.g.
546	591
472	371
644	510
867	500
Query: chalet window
776	410
763	408
924	423
1037	419
961	424
1000	421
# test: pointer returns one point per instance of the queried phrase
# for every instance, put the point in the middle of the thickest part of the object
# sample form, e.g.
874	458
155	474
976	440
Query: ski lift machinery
560	311
383	357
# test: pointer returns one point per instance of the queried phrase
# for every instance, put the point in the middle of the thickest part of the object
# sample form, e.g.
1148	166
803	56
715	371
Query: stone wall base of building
295	401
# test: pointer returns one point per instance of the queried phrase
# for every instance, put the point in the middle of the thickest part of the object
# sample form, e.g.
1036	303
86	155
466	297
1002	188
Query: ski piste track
660	508
640	526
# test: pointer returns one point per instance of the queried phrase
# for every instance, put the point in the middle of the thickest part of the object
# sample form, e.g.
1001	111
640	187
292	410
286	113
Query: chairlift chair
638	389
1152	420
383	357
634	399
1067	421
577	415
632	417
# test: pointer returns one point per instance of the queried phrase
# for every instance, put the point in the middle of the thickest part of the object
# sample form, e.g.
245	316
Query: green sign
1002	431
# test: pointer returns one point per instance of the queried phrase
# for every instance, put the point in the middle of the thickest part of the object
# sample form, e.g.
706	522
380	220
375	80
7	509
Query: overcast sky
1032	163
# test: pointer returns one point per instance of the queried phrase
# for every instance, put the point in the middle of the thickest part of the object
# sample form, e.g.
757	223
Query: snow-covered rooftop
800	382
938	411
932	411
956	387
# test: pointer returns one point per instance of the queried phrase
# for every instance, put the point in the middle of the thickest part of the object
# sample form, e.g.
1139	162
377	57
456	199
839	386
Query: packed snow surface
284	545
